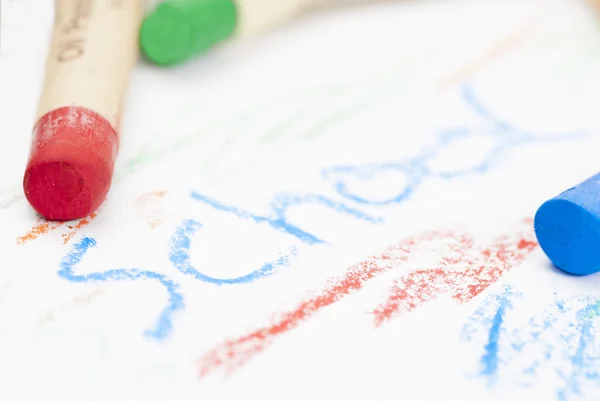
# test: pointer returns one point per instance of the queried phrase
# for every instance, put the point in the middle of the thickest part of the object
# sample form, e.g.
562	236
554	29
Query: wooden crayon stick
76	135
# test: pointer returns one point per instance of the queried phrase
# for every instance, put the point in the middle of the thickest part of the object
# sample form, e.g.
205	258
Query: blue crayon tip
568	228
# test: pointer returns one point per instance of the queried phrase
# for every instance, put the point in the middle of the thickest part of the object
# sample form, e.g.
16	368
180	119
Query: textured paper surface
339	209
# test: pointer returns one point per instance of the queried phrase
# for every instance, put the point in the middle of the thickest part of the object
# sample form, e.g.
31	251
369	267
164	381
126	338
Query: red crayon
75	140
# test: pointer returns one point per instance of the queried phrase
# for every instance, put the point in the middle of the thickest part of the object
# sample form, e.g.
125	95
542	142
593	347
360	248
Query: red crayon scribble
462	278
37	230
503	254
73	229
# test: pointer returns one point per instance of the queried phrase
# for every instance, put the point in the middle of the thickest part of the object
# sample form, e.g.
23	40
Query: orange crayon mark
45	227
82	300
39	229
495	51
151	208
74	229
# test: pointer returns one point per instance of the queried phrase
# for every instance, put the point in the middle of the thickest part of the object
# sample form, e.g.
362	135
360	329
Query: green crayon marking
10	196
366	97
5	290
52	333
317	129
396	78
594	310
238	120
313	99
576	72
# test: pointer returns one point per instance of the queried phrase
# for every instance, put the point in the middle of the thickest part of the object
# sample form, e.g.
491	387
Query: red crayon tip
71	163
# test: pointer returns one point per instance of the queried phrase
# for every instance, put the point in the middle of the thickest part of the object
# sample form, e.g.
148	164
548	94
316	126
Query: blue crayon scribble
179	255
470	98
416	169
163	326
559	342
499	303
280	205
489	360
412	170
585	363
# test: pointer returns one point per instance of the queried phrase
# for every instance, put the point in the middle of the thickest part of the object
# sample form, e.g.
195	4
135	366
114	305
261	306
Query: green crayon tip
180	29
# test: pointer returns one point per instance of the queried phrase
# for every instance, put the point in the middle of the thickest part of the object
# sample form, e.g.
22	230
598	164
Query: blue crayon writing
490	358
179	255
282	202
163	326
416	169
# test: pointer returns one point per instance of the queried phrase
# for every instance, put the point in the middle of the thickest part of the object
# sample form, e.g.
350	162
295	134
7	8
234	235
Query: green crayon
177	30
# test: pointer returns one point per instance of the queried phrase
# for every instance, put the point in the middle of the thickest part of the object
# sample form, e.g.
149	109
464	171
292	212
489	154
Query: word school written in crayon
416	170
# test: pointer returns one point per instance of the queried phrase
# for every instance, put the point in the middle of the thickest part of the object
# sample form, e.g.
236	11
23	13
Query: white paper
339	209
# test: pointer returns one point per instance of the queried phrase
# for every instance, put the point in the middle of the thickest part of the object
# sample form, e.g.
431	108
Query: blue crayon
568	228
